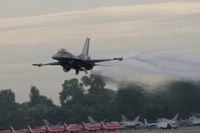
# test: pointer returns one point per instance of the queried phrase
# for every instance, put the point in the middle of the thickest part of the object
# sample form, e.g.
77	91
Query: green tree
88	97
130	100
72	93
72	100
8	108
36	98
182	97
98	98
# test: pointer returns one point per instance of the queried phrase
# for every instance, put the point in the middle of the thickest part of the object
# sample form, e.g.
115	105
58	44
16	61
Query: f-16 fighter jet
82	62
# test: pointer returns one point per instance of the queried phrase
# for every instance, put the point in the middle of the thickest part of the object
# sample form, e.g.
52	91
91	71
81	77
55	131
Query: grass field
180	130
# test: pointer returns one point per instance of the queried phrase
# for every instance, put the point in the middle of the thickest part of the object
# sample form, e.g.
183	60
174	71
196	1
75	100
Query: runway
179	130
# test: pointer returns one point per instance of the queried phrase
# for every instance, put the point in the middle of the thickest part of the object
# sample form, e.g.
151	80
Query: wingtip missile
120	59
38	65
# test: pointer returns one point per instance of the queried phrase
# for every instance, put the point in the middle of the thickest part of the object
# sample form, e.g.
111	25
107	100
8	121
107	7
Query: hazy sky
32	30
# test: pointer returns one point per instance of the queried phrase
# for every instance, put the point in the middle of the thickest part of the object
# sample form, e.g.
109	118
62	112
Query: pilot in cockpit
62	50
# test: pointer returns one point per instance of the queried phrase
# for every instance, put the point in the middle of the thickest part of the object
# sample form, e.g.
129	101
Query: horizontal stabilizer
102	65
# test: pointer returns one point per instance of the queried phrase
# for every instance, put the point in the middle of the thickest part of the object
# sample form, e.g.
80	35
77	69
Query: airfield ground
180	130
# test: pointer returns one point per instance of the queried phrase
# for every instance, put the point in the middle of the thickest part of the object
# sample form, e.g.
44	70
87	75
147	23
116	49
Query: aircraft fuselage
69	61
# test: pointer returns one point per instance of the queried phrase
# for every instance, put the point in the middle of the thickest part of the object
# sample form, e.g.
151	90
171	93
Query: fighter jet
82	62
194	120
164	123
108	126
131	124
149	125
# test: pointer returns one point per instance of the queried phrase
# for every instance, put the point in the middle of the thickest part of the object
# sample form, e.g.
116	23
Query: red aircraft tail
103	125
66	126
30	129
12	130
48	129
84	125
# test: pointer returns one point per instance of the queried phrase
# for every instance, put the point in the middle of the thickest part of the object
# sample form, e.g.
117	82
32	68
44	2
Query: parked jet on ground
149	125
90	127
35	130
111	126
53	130
72	128
47	123
134	124
194	120
12	130
83	62
108	126
92	121
164	123
5	131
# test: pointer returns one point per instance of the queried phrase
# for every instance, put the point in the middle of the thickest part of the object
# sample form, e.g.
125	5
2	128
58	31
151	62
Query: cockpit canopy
62	50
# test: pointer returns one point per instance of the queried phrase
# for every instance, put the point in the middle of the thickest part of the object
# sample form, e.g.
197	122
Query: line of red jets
72	128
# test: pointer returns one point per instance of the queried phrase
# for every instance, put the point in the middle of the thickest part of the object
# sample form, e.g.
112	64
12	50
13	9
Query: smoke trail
154	63
169	61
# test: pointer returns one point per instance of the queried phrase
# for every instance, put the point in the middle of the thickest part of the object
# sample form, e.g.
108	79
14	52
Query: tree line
89	96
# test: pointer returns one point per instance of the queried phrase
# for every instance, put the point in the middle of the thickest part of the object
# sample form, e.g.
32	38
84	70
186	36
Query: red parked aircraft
5	131
90	127
72	128
12	130
53	130
35	130
111	126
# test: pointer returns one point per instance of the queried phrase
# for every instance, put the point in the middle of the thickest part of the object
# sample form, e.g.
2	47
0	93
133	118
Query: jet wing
41	64
103	60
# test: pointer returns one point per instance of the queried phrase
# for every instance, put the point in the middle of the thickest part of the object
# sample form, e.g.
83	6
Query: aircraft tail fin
13	130
145	122
103	125
84	125
85	51
66	126
176	117
46	123
58	124
30	129
48	129
137	118
91	120
124	118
